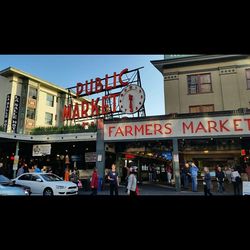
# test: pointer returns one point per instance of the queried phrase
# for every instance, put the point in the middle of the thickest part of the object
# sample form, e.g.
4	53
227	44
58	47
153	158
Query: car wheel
48	192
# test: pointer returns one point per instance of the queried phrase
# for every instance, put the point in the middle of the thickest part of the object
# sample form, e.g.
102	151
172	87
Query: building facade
205	83
208	85
28	102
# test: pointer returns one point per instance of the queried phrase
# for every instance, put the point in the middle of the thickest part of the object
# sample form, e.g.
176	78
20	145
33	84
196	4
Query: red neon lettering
107	87
168	128
212	125
157	128
128	130
200	127
120	77
85	108
89	87
76	112
105	107
110	130
236	125
119	131
185	126
222	126
114	83
114	96
148	129
98	85
79	89
139	130
67	112
248	123
94	107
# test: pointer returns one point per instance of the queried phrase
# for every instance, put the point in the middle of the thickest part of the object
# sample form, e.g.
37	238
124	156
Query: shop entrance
151	157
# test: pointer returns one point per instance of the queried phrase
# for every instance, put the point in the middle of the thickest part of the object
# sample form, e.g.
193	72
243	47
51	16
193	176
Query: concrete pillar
176	165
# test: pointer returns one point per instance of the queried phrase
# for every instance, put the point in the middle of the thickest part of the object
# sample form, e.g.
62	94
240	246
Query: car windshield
4	179
51	177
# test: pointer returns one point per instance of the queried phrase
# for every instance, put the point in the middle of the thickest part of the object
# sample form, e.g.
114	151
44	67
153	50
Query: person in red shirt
94	182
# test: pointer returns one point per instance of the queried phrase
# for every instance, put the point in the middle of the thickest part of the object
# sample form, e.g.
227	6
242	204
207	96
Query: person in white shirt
236	180
132	182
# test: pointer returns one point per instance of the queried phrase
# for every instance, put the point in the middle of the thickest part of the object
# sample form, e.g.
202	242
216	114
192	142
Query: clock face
131	99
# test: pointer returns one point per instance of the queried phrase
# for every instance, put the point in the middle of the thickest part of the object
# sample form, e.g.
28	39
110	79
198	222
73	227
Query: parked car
46	184
8	190
6	182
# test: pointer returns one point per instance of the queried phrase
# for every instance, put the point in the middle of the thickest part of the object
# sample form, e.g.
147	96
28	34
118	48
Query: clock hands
130	103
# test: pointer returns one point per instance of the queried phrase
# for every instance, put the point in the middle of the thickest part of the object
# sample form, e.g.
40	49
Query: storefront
220	138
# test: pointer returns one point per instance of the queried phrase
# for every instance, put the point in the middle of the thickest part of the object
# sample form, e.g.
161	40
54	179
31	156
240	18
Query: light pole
16	158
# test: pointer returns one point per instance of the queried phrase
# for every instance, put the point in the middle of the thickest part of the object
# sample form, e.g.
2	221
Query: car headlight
26	192
61	187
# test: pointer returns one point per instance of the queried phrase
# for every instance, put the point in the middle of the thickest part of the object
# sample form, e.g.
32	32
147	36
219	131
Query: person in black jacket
220	177
207	182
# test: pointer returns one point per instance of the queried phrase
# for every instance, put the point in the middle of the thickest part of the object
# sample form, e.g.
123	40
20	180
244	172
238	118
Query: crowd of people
230	175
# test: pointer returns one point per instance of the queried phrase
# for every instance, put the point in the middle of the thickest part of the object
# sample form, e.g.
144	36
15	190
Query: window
201	108
50	100
34	177
248	78
33	93
25	177
48	118
199	84
31	113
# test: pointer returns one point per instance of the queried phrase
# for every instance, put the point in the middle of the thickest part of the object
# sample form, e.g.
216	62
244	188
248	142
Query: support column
100	148
176	167
16	158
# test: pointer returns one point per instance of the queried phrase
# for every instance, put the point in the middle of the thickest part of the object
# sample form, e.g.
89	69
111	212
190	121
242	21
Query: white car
46	184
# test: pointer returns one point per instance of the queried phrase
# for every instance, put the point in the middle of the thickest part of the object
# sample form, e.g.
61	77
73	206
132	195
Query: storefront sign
90	157
129	100
41	149
98	106
195	127
15	114
6	113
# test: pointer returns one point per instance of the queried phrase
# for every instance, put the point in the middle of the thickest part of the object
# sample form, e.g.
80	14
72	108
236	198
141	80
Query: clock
131	99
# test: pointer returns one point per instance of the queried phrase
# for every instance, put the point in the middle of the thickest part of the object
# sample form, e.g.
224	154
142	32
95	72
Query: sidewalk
157	189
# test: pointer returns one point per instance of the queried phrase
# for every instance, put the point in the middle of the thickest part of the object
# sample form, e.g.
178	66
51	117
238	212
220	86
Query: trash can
100	183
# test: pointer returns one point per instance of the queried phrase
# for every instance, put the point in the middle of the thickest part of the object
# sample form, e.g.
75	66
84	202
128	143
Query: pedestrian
94	182
37	169
150	173
74	176
194	173
248	171
236	180
132	182
169	171
207	182
186	175
220	177
228	173
66	173
44	169
20	170
113	180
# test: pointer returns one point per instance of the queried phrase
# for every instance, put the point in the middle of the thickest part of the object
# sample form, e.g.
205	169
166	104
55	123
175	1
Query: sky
67	70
